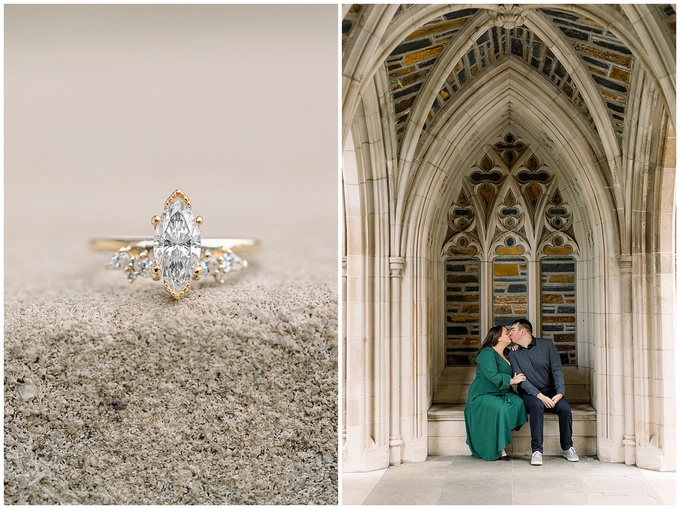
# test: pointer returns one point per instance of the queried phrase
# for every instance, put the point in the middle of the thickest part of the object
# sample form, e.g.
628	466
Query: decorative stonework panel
510	214
462	312
609	61
558	305
496	44
410	63
510	149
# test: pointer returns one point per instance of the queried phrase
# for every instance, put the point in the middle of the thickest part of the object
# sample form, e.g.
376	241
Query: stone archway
478	128
415	141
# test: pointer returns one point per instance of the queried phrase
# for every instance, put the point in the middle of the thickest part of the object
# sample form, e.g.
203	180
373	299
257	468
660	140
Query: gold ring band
146	244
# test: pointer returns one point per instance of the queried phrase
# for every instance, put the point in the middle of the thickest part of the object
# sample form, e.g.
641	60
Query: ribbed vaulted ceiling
608	62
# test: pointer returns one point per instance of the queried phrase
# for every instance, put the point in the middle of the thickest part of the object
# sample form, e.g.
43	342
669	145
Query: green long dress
492	410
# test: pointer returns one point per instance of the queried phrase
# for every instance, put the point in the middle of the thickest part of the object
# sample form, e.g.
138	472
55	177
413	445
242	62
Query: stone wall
558	305
509	289
510	301
462	312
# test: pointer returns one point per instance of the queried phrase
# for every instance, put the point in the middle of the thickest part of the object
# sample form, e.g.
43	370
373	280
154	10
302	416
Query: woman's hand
517	379
514	346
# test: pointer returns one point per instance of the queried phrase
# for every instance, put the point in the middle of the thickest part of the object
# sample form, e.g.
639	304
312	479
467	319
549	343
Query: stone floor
456	480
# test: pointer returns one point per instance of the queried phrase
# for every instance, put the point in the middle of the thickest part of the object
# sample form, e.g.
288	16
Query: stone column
607	329
413	360
534	295
485	295
342	361
396	270
626	266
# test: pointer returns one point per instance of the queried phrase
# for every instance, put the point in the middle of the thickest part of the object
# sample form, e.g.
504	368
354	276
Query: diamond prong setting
177	295
177	194
156	272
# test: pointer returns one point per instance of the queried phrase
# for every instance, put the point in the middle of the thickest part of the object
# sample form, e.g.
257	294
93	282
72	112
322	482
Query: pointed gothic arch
421	162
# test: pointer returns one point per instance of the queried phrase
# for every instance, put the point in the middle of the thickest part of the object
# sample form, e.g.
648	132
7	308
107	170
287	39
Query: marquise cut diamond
177	244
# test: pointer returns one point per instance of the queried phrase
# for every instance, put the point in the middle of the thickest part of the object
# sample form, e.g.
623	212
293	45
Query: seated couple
493	410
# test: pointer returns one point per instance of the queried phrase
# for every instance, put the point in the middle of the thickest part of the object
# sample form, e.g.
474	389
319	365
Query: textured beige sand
117	394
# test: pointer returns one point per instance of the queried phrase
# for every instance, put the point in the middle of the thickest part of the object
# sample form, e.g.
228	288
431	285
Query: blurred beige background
109	108
114	392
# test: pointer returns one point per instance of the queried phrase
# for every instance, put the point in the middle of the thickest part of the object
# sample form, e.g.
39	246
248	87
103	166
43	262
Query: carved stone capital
626	263
396	266
629	440
395	441
509	16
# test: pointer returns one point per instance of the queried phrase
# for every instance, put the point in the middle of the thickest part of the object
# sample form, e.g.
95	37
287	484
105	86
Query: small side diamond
231	262
144	266
210	267
131	275
118	261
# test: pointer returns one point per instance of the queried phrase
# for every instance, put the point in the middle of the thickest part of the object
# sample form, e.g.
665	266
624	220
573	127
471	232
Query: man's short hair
525	324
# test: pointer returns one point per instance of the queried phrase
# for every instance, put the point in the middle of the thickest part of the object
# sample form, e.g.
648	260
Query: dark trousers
536	409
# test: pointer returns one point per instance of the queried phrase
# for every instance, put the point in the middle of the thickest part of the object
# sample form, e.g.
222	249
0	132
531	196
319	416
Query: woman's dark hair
492	336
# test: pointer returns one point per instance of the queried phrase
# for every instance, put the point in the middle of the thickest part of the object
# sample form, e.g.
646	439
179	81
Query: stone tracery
516	214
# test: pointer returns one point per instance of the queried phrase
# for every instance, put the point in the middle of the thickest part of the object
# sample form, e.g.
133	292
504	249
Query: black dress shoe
504	458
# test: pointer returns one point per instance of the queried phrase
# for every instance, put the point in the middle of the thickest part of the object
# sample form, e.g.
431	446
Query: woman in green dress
493	409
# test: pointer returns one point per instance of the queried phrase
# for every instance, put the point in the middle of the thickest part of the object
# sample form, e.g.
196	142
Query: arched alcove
426	142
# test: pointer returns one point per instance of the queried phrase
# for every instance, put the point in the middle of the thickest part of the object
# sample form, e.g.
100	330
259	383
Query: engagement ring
176	254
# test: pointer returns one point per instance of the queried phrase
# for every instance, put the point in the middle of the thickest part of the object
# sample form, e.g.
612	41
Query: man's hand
556	398
549	403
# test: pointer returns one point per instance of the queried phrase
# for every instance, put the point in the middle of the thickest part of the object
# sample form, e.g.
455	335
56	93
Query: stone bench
446	432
